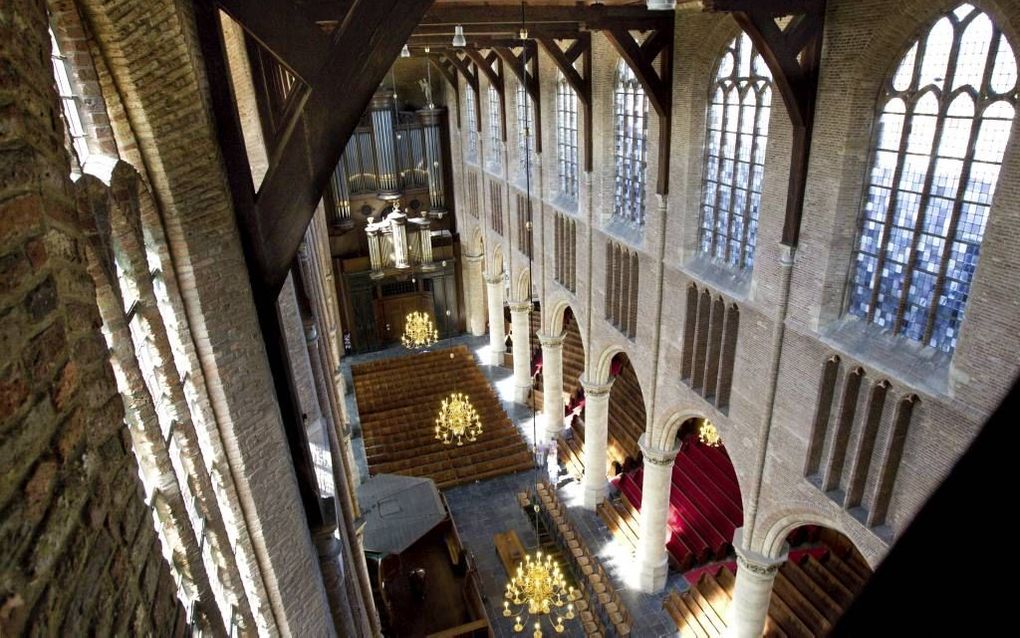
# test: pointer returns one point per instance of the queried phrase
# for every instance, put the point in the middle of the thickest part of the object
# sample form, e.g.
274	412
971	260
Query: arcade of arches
728	284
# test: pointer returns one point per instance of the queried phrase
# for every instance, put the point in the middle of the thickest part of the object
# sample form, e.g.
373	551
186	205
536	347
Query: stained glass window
525	131
631	125
944	119
738	124
472	123
495	130
566	137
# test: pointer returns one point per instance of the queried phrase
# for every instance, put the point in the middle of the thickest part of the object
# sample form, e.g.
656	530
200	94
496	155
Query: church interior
465	318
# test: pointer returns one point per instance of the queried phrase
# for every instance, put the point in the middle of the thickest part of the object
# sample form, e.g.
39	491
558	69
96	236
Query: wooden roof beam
578	79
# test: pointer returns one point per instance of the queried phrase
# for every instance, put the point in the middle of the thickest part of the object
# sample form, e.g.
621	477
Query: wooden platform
398	400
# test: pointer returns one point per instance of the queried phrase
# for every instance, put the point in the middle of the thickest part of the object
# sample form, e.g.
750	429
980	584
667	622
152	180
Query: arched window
472	122
738	124
566	137
68	103
525	131
944	120
495	130
631	114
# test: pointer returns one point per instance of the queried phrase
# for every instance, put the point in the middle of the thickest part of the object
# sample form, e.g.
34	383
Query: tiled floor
485	508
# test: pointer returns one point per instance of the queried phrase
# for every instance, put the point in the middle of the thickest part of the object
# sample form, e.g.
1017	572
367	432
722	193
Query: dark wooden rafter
342	70
793	54
656	82
578	79
231	141
492	66
448	71
464	66
594	16
524	66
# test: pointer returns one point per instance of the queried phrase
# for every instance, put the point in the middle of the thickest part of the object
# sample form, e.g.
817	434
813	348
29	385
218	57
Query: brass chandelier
418	331
708	434
458	421
538	589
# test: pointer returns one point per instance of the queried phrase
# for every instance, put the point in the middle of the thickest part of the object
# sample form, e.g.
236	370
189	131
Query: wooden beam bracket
578	79
656	82
492	66
524	66
792	53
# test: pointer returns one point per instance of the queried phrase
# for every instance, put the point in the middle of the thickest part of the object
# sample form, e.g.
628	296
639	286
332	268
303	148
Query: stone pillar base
521	393
752	590
495	357
593	496
652	576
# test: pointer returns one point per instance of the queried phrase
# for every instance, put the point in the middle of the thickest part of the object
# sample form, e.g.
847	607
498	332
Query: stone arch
628	411
477	243
776	529
497	264
522	286
562	320
669	427
602	364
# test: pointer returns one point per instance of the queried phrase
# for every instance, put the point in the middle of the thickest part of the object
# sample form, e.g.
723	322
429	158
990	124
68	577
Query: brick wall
862	42
77	546
152	56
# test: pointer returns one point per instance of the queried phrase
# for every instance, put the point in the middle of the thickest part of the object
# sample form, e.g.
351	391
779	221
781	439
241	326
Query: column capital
492	280
595	390
656	456
754	562
473	259
552	341
519	306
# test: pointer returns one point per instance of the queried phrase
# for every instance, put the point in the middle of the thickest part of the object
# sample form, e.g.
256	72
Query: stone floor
482	509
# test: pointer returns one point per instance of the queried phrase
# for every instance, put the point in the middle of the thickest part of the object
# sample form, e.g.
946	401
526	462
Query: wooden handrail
461	630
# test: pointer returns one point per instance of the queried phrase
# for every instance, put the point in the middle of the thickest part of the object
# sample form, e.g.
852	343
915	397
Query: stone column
596	435
355	606
431	121
520	330
753	589
497	327
656	484
552	384
328	549
474	296
382	106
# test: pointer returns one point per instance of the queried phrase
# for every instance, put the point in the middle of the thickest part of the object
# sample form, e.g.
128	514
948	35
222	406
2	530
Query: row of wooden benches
611	610
439	385
417	425
811	591
570	450
398	400
386	366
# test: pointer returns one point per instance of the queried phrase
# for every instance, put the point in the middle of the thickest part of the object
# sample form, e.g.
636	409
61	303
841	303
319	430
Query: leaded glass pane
935	162
525	131
735	154
630	112
566	138
495	130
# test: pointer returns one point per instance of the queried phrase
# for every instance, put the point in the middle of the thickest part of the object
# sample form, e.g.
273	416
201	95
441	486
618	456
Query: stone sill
896	356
